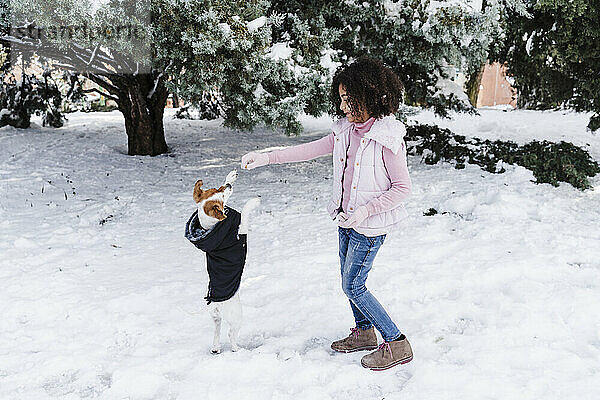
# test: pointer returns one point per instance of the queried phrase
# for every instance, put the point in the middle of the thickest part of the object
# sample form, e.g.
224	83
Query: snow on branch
75	57
157	79
256	24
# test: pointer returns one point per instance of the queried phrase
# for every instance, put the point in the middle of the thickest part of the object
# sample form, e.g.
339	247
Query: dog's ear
197	191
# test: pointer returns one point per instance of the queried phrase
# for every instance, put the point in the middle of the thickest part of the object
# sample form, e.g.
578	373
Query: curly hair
370	85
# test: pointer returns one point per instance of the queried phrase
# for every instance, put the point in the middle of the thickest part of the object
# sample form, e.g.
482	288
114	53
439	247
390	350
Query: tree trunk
143	115
175	100
473	84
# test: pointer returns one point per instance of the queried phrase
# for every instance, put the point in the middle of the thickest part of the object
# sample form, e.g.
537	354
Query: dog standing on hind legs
221	232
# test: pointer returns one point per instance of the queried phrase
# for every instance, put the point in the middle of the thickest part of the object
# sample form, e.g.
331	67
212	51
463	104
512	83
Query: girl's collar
387	131
363	127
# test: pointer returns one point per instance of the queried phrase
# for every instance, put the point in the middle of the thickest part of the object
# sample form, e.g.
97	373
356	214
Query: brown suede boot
357	340
388	355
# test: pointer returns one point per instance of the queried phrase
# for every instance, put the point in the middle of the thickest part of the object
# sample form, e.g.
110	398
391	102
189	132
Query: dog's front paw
231	177
215	350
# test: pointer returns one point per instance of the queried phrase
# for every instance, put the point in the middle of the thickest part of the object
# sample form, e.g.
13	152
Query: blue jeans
357	253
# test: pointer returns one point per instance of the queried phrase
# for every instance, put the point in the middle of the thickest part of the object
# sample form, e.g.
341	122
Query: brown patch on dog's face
215	209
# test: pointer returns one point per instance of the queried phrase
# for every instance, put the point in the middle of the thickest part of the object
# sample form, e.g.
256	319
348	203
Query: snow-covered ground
101	295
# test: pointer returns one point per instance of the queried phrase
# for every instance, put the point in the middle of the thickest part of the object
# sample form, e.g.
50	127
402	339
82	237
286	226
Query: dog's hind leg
232	312
248	207
216	317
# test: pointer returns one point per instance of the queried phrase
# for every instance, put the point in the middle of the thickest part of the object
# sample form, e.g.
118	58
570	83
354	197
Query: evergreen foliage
274	60
553	53
214	45
550	162
29	95
209	107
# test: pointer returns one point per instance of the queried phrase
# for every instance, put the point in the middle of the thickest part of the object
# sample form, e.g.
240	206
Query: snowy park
101	295
166	165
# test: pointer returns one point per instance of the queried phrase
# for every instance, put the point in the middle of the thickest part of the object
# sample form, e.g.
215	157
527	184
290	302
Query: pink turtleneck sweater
395	165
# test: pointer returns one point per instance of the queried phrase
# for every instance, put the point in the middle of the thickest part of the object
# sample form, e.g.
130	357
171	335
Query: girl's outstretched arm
303	152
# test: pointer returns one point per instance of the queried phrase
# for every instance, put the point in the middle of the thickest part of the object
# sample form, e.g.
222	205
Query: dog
221	232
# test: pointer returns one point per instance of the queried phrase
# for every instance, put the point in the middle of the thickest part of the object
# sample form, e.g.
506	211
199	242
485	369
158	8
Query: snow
101	295
225	28
256	24
259	91
280	51
521	126
416	24
529	44
327	62
434	6
394	7
448	87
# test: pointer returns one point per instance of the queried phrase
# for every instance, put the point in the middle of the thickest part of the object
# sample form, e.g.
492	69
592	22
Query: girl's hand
341	218
345	221
254	159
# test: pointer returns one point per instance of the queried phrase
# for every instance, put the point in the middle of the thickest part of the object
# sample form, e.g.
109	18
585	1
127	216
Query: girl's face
360	115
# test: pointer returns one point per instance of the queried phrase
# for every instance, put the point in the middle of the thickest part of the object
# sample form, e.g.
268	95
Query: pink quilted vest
370	178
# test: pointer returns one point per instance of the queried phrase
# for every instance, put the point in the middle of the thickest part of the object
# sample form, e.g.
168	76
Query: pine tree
233	48
420	40
296	52
268	60
553	53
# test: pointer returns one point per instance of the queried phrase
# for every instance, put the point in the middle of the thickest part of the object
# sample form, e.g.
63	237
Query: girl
370	181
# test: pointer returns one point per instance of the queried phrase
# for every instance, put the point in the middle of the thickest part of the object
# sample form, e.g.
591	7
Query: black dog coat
225	253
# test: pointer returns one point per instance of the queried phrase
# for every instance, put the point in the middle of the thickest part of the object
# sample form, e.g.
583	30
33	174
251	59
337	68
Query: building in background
495	88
